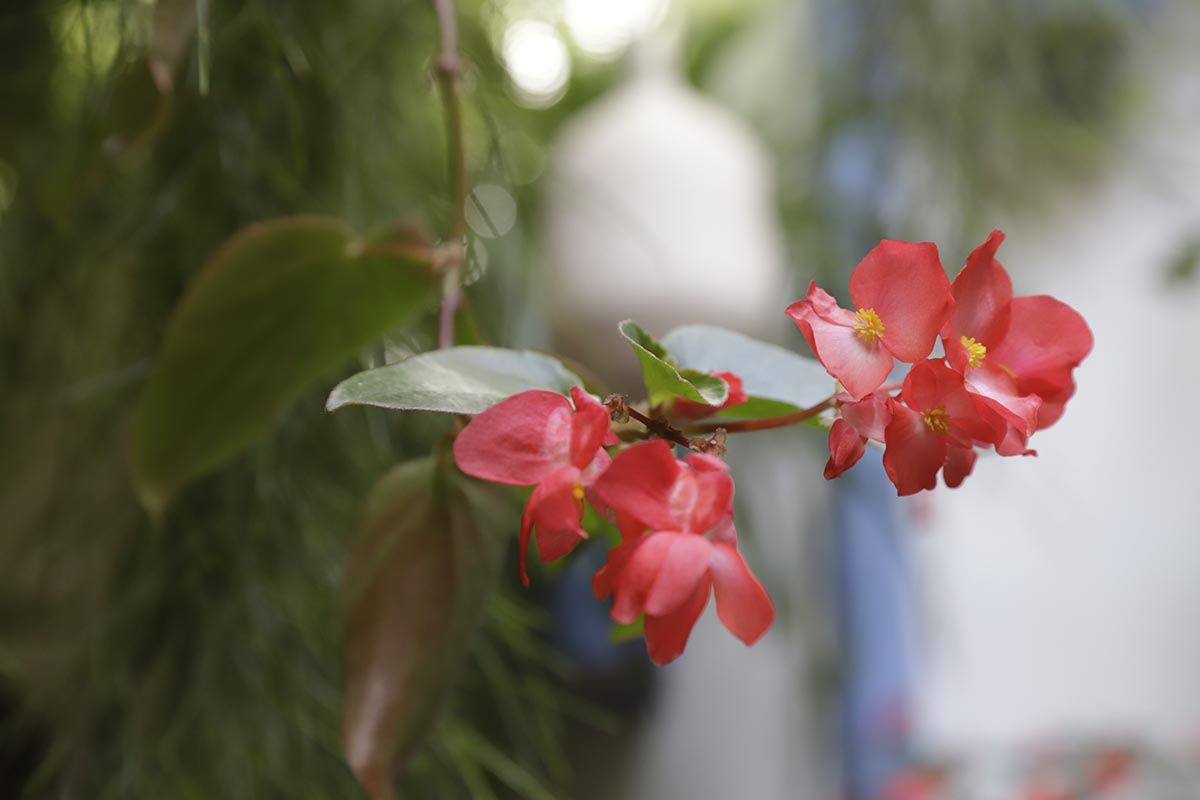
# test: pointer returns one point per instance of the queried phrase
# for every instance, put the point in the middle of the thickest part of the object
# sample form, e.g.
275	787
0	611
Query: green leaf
457	380
778	381
664	379
1184	262
620	632
425	558
279	305
499	764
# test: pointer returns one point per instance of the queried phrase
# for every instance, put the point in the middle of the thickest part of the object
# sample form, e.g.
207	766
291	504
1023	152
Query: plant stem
453	252
660	428
763	424
409	252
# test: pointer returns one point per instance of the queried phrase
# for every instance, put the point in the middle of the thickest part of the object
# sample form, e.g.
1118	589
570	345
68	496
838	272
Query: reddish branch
658	427
452	254
768	423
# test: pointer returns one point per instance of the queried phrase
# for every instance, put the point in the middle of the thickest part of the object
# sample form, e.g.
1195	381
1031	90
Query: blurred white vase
660	208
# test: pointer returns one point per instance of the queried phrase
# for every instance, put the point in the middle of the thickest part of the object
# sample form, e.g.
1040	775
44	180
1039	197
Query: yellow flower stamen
936	419
868	325
975	351
578	492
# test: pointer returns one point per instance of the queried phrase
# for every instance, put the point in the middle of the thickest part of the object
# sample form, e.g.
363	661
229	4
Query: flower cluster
675	516
1006	371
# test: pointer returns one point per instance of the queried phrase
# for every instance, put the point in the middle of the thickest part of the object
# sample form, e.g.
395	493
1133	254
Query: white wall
1062	593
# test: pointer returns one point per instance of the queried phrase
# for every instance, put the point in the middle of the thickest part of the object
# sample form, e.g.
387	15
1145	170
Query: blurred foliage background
200	658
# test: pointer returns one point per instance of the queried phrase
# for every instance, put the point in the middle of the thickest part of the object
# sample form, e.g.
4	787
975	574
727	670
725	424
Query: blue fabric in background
581	626
875	623
873	589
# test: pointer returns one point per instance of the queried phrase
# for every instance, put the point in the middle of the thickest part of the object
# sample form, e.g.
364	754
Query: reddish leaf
425	558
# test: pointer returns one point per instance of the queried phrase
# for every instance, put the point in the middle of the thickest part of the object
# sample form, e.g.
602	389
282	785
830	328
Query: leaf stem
453	252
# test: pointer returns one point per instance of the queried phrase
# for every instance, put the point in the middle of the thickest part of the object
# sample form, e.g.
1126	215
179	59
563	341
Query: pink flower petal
683	565
1012	441
648	483
933	385
1053	405
742	603
845	448
724	531
590	426
554	544
982	297
959	461
823	304
592	472
868	416
631	585
1046	340
1000	392
554	512
700	500
904	283
618	557
705	463
666	636
519	441
914	453
638	484
860	366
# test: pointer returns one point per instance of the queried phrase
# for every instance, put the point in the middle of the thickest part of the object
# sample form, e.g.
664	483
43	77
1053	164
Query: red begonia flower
688	409
982	301
1111	768
1017	354
859	421
1046	341
932	421
915	785
538	438
902	297
676	518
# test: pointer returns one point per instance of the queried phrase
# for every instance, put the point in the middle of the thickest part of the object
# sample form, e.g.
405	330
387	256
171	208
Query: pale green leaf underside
457	380
778	381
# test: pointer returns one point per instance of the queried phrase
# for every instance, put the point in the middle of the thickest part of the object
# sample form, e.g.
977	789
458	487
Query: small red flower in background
687	409
916	784
1111	769
537	438
903	299
676	518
